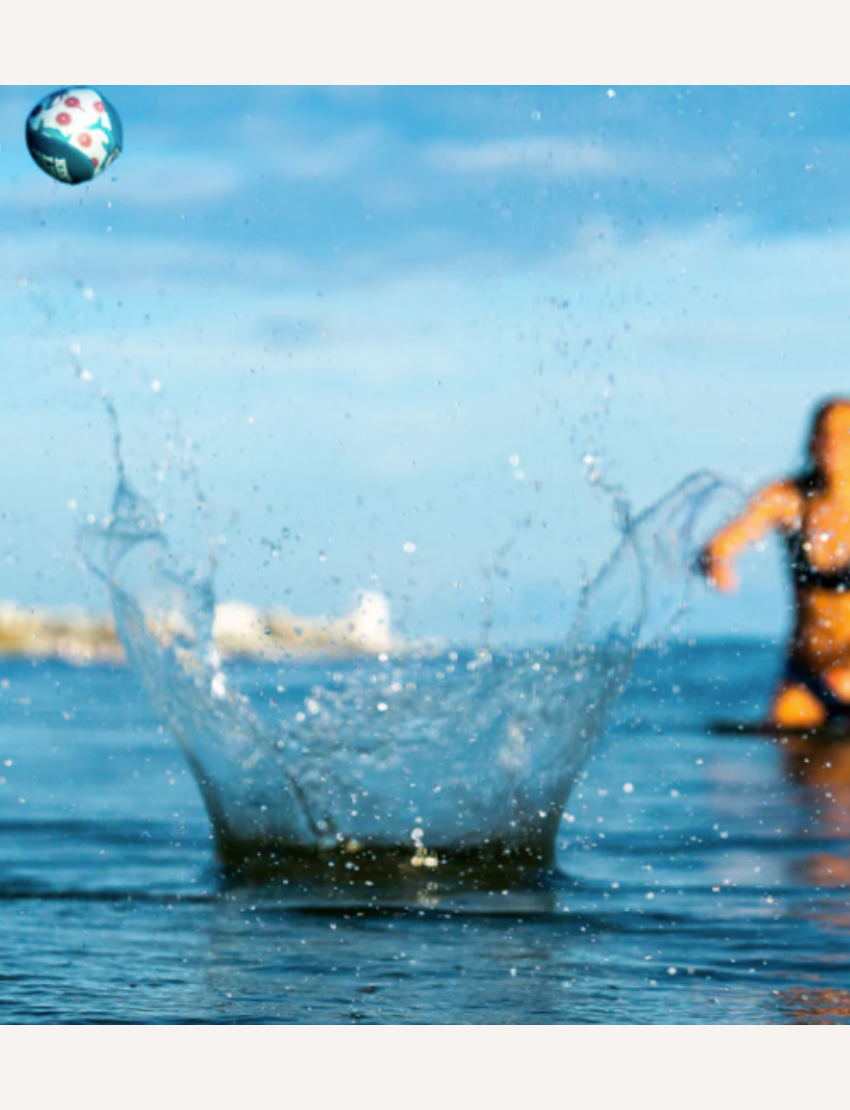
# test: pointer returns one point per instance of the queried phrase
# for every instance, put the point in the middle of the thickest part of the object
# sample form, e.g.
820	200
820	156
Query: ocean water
465	759
697	879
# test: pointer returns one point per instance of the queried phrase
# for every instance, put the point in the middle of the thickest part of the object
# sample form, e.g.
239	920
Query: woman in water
812	513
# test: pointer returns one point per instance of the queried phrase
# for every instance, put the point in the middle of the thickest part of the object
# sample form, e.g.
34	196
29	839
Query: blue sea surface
702	880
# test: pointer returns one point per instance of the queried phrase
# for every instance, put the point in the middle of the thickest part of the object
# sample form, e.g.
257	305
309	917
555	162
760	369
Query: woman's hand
774	507
718	572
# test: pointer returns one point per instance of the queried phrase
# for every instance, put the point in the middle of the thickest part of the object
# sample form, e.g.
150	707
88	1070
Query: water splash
420	759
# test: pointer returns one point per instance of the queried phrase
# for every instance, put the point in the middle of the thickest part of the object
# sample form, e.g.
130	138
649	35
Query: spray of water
423	760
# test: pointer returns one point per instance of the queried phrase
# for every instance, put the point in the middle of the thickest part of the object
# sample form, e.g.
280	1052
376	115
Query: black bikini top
804	574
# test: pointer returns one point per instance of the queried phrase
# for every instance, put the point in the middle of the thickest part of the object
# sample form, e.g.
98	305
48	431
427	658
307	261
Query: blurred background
409	336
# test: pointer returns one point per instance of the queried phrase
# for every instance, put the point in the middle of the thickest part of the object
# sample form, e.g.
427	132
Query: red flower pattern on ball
52	124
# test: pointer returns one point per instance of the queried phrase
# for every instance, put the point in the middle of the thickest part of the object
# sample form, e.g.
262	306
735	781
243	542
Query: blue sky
395	316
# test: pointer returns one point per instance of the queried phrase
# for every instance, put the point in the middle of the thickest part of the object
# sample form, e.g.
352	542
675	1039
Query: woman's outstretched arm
776	506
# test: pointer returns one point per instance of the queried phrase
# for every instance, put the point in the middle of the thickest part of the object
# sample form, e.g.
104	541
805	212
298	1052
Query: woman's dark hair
812	479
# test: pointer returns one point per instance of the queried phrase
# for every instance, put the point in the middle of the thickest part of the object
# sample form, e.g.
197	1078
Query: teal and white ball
74	134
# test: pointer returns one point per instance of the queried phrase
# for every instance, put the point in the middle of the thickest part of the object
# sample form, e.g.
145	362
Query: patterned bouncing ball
74	134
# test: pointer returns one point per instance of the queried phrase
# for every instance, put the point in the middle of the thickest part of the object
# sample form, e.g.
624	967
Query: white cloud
165	180
545	156
279	149
156	180
114	264
553	157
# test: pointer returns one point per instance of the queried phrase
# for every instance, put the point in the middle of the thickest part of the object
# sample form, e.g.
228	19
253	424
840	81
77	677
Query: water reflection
821	771
386	883
814	1006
